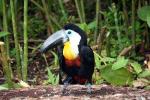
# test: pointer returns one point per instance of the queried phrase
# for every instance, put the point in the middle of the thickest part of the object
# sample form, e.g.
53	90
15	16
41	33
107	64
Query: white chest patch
71	50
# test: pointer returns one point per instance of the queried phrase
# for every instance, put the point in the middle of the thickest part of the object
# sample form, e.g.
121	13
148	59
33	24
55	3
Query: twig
126	50
95	47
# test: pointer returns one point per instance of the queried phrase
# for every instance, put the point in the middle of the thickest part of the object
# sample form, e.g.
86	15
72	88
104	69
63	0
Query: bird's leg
89	88
66	82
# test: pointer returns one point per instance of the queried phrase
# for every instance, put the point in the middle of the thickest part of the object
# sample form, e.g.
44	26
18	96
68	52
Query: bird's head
70	33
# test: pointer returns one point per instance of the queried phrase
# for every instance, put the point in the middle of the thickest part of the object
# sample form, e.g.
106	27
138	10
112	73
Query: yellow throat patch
68	52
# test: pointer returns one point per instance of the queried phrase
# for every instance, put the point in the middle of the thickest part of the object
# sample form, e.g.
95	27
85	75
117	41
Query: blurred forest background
118	32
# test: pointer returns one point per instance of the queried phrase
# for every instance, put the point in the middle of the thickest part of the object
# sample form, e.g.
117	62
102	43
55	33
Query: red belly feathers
76	62
80	79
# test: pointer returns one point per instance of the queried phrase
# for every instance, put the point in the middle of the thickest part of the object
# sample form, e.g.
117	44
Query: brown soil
75	92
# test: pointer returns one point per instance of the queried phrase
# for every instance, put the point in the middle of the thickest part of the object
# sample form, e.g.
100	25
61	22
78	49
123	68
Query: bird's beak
55	39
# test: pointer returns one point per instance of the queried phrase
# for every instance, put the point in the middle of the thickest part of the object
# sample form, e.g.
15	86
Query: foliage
52	78
19	84
117	77
120	63
143	14
6	87
145	73
3	34
118	71
137	67
36	26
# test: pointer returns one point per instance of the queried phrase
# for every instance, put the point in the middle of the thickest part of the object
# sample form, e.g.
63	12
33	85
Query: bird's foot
66	83
64	89
89	88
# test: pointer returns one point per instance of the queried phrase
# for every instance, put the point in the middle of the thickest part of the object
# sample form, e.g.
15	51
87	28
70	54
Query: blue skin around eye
69	32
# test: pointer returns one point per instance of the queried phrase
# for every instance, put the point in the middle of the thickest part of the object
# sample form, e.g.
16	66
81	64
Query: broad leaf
120	63
92	25
148	19
2	34
117	77
145	73
137	67
143	12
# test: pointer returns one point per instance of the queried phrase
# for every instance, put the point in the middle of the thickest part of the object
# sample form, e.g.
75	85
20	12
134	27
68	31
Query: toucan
76	58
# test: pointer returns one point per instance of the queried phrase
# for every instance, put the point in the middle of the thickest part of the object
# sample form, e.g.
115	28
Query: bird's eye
69	32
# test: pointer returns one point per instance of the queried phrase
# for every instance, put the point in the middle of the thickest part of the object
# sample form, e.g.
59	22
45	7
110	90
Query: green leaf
145	73
137	67
52	78
97	60
84	27
92	25
4	86
55	58
117	77
108	59
57	80
2	34
121	62
50	75
143	12
148	19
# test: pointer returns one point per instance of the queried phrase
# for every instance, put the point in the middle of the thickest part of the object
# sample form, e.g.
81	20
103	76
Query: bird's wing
87	62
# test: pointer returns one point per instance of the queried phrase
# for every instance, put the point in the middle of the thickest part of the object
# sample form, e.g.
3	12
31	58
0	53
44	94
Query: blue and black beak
55	39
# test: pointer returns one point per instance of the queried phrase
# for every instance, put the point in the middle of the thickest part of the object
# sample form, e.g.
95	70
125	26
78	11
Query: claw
89	88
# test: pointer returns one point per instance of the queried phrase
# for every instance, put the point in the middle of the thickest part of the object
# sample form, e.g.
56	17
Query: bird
76	58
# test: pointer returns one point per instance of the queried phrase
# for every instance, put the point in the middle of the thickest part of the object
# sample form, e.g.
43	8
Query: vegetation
118	32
